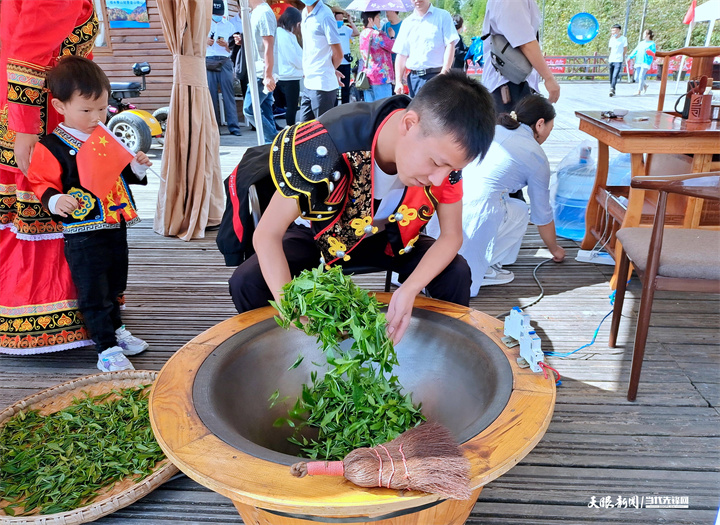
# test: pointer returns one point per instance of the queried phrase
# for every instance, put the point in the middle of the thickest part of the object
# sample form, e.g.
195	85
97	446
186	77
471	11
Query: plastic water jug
574	186
619	171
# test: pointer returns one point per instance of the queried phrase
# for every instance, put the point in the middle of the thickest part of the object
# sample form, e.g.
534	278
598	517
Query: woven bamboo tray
122	493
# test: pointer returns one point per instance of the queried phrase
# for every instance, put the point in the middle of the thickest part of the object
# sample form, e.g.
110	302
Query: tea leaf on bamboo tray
59	462
358	390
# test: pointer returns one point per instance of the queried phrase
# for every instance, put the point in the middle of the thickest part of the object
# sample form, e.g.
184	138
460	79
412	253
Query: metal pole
542	26
248	42
642	21
627	17
625	32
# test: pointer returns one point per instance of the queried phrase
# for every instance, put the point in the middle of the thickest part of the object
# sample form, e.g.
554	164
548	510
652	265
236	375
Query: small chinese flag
101	160
690	15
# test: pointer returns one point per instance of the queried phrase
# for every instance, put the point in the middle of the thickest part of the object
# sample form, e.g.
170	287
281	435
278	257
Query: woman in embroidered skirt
38	306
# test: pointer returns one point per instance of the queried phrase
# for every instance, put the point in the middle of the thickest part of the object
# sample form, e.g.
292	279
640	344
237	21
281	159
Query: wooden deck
598	444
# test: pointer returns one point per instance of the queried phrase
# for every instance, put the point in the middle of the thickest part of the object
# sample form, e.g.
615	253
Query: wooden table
642	134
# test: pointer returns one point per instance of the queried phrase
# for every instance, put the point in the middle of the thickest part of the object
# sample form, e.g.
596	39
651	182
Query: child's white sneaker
130	344
113	359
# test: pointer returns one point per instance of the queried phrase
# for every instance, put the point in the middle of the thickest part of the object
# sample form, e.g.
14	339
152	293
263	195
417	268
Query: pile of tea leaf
59	462
358	403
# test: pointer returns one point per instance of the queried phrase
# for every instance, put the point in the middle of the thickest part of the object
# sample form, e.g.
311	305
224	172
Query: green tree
664	17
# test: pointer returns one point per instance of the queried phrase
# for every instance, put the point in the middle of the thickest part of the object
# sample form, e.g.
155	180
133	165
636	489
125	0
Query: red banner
557	65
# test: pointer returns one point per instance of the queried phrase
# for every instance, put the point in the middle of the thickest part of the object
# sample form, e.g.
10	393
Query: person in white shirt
347	32
494	224
425	45
518	22
264	27
290	55
618	45
220	67
322	53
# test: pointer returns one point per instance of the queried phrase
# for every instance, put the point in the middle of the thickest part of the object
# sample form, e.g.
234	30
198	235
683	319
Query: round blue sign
583	27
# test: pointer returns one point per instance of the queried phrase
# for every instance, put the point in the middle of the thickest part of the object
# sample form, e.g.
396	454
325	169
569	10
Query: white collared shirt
319	32
423	38
345	33
225	28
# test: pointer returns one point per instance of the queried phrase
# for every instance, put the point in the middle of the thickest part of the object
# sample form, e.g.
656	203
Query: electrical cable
566	354
538	298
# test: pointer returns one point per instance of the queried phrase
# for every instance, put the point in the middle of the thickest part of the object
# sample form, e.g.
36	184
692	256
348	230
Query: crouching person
356	186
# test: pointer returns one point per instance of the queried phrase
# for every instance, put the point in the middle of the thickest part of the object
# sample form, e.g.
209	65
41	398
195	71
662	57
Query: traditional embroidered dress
38	308
327	166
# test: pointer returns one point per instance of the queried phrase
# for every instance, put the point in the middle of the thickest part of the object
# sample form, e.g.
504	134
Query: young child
368	177
95	226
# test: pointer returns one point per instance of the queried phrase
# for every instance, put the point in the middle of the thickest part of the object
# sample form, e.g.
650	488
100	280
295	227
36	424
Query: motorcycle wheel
132	131
161	115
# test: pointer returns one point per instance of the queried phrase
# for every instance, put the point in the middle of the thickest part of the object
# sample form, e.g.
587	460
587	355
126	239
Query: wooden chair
685	260
702	65
256	210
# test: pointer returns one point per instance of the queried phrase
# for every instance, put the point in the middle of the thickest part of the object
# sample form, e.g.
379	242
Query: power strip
589	256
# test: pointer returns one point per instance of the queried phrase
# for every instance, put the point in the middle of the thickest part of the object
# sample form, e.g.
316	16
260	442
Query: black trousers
615	72
291	91
98	262
249	291
345	90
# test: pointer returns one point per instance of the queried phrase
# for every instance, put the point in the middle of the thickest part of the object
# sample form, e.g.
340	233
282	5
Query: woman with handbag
375	50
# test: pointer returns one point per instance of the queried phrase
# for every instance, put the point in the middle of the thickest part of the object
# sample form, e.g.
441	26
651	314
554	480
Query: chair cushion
689	254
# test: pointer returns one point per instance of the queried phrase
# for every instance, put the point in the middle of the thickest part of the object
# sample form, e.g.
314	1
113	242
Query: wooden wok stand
265	493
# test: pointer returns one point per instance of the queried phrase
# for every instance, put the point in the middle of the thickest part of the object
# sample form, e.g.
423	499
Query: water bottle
619	171
574	186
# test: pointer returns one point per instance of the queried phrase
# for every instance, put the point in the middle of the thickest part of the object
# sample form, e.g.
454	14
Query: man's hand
142	159
269	83
399	313
553	89
223	43
24	145
210	41
340	76
399	88
65	205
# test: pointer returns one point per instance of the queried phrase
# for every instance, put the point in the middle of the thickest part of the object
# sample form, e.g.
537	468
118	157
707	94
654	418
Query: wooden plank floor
598	444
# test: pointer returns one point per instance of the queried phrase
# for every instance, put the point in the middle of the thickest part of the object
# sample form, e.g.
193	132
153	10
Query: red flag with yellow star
101	160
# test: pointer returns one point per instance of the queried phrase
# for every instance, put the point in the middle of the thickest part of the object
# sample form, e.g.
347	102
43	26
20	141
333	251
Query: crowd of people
428	183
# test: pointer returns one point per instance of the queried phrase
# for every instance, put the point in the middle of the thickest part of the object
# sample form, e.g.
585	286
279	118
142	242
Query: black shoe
236	133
